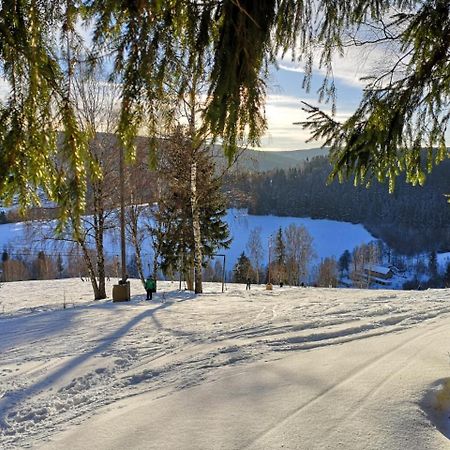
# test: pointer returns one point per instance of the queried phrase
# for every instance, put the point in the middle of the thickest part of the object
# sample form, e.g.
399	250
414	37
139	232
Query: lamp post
122	218
269	281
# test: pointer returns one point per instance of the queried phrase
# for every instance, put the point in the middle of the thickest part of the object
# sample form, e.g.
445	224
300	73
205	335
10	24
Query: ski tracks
375	380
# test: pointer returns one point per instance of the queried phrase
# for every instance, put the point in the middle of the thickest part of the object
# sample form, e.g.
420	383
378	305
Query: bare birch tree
328	273
255	250
363	258
299	253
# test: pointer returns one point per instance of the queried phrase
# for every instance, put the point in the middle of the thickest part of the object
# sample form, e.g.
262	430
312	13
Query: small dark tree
243	270
344	262
43	267
59	265
3	218
433	264
280	248
278	265
218	271
447	276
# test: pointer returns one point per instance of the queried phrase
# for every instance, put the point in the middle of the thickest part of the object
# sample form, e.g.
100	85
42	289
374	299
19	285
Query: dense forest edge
411	220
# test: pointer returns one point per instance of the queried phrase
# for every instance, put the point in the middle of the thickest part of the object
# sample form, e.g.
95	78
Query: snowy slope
292	368
331	238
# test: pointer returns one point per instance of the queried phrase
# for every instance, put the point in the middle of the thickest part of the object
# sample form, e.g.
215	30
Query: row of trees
23	264
290	252
291	261
351	269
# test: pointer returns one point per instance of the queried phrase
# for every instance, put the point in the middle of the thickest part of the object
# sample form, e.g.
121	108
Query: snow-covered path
292	368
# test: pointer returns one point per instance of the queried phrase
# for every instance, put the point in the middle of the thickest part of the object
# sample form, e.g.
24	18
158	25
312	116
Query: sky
283	105
286	94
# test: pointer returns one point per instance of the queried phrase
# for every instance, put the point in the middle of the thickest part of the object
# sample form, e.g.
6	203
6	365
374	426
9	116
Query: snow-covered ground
292	368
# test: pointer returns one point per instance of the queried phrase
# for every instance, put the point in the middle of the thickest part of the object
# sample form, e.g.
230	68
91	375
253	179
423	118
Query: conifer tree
447	275
402	109
280	248
243	270
174	234
278	264
344	262
433	264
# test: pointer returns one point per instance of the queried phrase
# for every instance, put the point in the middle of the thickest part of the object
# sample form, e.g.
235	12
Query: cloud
282	111
355	63
290	66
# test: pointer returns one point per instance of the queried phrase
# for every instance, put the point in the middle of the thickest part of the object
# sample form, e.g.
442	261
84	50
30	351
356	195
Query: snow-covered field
292	368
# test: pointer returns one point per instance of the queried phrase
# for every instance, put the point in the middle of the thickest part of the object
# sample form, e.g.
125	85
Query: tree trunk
134	232
99	230
196	230
100	260
91	271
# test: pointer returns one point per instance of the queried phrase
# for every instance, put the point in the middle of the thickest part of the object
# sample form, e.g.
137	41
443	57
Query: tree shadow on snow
13	398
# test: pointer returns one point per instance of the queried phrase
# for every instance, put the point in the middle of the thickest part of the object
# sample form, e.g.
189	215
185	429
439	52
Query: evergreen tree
243	270
402	107
174	234
433	265
218	271
42	267
278	265
344	262
5	256
280	248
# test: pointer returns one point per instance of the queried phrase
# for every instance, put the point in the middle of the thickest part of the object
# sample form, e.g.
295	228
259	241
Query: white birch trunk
198	256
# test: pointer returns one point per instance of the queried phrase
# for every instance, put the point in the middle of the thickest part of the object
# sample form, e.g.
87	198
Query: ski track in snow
351	409
59	366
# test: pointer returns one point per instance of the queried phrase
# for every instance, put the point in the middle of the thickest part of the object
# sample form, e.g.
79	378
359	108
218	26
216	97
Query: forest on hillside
413	219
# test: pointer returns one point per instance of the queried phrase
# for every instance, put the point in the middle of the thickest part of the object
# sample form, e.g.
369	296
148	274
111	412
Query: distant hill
262	161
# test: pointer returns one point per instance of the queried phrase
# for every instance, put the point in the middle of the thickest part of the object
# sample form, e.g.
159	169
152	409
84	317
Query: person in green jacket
150	286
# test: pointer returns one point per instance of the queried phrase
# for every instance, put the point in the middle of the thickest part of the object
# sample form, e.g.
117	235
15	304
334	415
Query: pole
121	291
122	217
223	275
181	268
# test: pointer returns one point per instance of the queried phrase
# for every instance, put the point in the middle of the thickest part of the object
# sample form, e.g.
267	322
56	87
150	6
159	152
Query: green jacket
150	284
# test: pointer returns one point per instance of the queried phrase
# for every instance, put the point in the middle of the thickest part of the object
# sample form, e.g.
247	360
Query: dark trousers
149	294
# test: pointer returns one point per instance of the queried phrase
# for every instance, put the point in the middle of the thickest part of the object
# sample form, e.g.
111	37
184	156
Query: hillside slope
293	368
